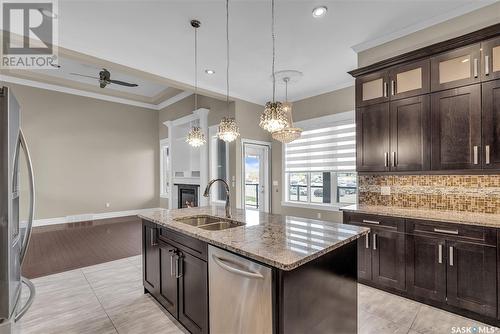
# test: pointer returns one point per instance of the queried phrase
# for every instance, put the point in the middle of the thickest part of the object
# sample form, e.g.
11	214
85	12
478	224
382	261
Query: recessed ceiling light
319	11
209	72
48	13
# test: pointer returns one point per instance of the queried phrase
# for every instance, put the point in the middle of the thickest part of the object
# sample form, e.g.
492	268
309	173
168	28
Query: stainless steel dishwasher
240	294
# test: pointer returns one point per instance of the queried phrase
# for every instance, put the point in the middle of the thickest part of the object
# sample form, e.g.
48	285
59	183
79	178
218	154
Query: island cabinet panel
491	124
410	134
168	280
456	68
490	59
388	259
193	293
372	138
150	258
426	267
456	128
471	277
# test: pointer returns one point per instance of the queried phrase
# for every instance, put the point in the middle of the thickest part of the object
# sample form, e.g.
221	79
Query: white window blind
324	146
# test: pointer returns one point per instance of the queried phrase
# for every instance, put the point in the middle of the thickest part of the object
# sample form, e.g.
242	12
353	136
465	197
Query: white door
256	176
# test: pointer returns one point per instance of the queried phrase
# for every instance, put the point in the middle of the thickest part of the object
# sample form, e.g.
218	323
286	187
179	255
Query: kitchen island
270	274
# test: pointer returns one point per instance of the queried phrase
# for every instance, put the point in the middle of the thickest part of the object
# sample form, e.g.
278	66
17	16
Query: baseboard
87	217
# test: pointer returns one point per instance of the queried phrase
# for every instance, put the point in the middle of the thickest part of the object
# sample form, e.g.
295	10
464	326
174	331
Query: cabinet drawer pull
487	153
486	65
386	159
393	159
451	256
440	253
476	155
374	241
439	230
367	241
371	221
475	67
385	89
393	87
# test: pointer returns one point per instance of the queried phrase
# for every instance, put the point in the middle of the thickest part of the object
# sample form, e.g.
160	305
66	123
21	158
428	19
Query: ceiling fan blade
83	75
123	83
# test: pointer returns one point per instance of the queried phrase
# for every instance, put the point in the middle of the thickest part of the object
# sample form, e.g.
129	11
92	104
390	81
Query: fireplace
187	195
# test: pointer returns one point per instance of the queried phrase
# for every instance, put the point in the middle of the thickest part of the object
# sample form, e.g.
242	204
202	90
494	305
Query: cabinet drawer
469	233
384	222
191	245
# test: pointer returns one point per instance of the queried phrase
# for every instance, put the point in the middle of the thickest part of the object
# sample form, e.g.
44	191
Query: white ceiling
155	36
68	66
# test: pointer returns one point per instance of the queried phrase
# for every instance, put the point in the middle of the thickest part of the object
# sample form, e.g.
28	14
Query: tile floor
108	298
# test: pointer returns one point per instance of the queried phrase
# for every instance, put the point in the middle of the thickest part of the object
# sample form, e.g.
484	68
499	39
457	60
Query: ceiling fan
105	79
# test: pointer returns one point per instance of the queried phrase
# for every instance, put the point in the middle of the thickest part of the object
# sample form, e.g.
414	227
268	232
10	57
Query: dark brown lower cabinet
364	258
193	293
177	275
471	277
426	267
388	259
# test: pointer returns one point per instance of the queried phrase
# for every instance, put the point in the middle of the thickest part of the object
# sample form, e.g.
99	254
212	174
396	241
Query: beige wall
88	152
458	26
326	104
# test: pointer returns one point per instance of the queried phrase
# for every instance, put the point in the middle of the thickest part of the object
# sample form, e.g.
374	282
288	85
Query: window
164	168
319	168
219	162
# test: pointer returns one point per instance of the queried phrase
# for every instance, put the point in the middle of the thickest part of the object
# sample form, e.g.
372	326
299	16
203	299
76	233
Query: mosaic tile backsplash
470	193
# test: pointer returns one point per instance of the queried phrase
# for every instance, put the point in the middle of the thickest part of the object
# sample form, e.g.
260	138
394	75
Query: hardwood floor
57	248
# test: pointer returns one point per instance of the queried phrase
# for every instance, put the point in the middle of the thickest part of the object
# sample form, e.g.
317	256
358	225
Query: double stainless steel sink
210	223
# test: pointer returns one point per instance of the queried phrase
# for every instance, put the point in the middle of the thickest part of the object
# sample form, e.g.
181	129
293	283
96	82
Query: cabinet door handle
172	255
178	266
393	87
451	256
440	253
487	154
153	237
386	159
367	241
476	155
440	230
374	241
393	159
486	65
371	221
475	67
385	89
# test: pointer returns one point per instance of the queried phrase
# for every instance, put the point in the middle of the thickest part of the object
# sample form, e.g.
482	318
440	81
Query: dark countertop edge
433	219
271	263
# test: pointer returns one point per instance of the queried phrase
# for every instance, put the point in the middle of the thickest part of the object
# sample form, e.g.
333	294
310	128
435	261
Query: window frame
334	205
212	153
164	187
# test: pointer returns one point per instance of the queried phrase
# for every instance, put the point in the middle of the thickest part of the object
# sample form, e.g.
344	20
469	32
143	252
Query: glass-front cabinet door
372	89
490	69
410	80
455	68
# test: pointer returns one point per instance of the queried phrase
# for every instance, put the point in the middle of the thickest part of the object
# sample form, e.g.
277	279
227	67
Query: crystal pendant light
228	129
274	117
289	133
196	137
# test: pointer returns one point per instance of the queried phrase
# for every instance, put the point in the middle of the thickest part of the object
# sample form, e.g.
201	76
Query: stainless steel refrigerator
14	235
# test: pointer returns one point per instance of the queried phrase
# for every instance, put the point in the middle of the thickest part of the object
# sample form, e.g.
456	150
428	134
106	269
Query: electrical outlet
385	190
108	205
318	215
275	183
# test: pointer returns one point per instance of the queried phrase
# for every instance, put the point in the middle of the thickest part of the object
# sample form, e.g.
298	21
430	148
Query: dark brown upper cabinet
410	134
456	128
410	80
372	138
490	59
372	89
491	124
456	68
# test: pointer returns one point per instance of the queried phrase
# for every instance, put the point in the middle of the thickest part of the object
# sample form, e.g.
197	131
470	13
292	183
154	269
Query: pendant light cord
195	68
274	53
227	54
286	89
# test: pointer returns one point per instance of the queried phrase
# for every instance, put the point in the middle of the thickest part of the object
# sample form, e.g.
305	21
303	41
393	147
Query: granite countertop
283	242
468	218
